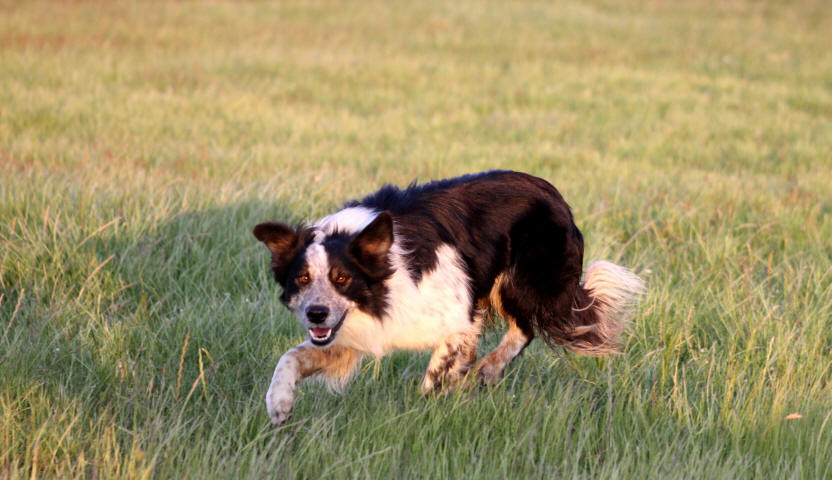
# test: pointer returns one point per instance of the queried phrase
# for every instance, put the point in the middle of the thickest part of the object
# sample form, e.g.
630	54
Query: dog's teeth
320	337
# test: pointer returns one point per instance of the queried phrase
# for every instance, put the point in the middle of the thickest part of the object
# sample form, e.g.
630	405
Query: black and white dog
419	268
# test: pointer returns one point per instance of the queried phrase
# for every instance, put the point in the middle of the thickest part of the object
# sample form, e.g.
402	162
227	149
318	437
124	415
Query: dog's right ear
281	240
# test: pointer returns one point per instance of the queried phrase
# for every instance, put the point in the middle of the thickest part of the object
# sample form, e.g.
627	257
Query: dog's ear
282	241
369	248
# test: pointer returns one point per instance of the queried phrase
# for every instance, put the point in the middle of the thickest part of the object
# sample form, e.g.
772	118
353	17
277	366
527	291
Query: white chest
419	316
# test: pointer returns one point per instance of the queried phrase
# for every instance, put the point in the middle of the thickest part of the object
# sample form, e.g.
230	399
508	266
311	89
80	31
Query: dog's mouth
324	336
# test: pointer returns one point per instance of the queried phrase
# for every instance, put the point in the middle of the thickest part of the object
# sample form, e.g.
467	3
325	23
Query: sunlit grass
141	141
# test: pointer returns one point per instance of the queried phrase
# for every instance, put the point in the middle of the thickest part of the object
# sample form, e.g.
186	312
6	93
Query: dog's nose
317	313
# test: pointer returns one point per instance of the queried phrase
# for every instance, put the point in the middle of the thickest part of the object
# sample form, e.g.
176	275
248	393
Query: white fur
452	346
317	260
281	394
617	288
420	316
348	220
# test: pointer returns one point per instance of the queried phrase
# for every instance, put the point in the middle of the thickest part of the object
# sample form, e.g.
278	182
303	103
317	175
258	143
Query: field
140	142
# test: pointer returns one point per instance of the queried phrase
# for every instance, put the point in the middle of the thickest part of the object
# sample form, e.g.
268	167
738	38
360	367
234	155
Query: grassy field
140	142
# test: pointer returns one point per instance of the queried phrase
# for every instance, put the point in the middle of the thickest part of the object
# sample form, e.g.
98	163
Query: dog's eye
341	279
302	279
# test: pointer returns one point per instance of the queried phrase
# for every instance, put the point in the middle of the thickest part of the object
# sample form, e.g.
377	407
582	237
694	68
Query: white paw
428	386
279	405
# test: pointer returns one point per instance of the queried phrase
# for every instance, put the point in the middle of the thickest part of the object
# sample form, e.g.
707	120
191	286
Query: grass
140	142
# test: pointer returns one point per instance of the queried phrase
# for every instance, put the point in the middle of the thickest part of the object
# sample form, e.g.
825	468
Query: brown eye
341	279
303	279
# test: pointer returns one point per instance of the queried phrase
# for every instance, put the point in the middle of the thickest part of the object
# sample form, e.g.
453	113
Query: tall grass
141	141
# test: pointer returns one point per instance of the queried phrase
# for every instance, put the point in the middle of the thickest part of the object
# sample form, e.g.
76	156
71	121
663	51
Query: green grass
140	142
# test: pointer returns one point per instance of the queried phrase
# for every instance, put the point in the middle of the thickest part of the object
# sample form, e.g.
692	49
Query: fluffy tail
600	311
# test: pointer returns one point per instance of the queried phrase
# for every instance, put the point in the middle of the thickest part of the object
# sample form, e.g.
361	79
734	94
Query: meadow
141	141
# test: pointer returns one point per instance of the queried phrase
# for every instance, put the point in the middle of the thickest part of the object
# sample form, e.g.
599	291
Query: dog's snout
317	313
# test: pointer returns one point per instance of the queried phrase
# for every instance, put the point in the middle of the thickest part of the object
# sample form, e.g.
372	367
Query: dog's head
325	275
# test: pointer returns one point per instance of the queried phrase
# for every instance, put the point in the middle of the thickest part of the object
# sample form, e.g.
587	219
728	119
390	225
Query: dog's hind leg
492	365
450	362
334	364
516	339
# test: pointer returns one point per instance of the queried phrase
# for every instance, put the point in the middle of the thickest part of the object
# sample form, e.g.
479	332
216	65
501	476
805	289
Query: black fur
286	245
481	215
288	267
365	282
369	248
499	222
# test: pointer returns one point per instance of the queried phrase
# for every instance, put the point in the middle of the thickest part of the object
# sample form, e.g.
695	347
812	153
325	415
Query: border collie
420	268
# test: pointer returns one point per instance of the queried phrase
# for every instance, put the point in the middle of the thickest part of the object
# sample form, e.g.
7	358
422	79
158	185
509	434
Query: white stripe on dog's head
317	261
348	220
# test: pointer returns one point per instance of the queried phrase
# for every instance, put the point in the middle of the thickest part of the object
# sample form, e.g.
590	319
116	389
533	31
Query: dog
420	268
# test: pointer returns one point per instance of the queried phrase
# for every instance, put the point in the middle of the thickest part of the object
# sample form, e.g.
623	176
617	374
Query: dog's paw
279	417
279	405
430	386
487	375
442	386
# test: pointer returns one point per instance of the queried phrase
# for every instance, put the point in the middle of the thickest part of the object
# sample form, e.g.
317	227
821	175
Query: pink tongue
320	332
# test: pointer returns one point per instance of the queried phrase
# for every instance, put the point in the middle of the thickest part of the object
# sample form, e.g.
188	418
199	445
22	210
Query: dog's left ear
369	248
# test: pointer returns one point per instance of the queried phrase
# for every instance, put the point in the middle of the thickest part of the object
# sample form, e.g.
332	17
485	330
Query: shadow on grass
179	324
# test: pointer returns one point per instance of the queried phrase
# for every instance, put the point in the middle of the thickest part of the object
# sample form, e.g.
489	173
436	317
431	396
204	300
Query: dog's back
522	252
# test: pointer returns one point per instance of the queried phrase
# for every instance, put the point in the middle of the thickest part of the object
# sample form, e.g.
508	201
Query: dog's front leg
451	360
335	363
281	394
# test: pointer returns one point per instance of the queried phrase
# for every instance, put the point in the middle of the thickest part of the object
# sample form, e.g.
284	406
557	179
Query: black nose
317	313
